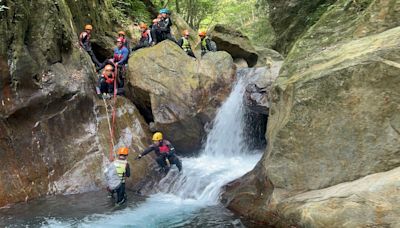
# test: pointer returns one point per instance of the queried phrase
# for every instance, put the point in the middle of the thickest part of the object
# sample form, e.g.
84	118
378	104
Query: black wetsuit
164	151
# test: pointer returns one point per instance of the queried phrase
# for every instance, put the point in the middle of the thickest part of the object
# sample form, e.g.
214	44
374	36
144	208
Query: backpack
213	45
111	176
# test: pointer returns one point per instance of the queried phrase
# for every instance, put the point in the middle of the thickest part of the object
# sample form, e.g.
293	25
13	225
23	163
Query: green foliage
249	16
134	9
2	6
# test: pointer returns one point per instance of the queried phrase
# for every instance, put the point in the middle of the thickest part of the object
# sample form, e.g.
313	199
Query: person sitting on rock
123	171
155	30
183	42
205	43
165	153
145	39
120	59
127	42
106	81
84	42
164	26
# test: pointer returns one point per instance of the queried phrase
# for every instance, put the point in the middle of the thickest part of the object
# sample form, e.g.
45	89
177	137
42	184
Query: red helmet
120	39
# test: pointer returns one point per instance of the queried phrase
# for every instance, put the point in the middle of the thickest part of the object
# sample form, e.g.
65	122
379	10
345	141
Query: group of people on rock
113	75
165	158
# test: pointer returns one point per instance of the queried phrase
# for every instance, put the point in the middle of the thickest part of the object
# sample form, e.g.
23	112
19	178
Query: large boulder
235	43
178	93
334	118
257	93
53	131
239	46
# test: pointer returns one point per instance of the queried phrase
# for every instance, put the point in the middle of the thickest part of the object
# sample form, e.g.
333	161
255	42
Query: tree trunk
178	10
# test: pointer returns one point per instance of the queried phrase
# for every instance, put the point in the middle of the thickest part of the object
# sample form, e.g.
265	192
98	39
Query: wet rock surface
53	137
332	126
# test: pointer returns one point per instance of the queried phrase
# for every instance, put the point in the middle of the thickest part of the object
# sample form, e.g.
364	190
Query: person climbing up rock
183	42
120	59
106	82
165	153
126	42
145	39
84	42
123	170
206	43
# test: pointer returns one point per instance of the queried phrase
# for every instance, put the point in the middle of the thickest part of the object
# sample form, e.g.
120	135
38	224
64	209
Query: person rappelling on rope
116	175
183	42
120	59
84	42
106	82
165	153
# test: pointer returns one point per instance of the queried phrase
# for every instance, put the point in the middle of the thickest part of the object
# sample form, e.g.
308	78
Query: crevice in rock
256	127
101	53
141	99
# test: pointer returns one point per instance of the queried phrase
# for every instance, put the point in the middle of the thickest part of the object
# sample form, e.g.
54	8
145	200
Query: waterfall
224	157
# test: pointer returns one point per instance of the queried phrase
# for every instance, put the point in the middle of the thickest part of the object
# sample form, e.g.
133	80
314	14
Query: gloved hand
139	157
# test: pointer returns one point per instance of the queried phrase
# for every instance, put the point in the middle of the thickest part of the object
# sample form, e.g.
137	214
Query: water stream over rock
182	199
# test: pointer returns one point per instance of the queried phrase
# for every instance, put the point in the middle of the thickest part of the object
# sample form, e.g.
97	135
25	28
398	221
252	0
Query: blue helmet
164	10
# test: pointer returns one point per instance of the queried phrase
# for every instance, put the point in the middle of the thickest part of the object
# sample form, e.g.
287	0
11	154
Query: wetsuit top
121	55
84	40
165	24
165	148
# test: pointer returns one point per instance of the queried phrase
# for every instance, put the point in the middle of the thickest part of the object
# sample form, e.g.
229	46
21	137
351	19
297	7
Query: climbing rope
109	128
112	153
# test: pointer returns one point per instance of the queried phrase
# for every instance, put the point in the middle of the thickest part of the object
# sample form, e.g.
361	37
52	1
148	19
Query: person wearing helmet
127	42
205	42
145	39
164	26
84	42
106	81
120	59
165	153
123	170
183	42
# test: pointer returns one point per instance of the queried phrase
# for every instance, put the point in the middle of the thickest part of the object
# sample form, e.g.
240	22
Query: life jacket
120	165
164	149
186	45
204	44
118	54
145	36
109	80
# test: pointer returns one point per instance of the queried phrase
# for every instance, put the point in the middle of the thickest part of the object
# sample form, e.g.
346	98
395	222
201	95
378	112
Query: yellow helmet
157	136
123	151
88	27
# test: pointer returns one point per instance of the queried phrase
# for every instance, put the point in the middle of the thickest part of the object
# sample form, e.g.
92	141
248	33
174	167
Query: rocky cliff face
333	125
53	134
